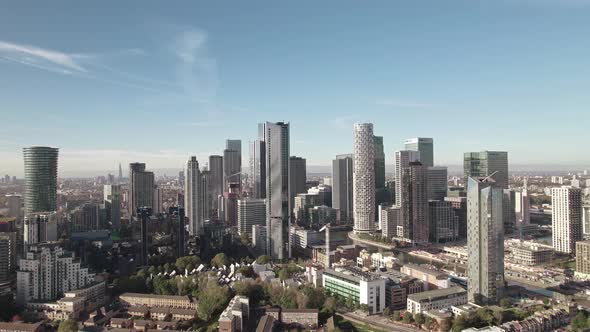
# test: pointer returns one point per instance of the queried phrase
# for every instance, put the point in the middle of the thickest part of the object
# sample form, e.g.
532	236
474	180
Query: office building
158	204
259	239
141	188
112	203
278	209
522	206
531	253
47	271
85	217
485	163
390	219
232	169
423	145
362	287
143	214
379	162
444	224
234	145
39	227
250	212
297	177
583	259
432	279
178	220
459	206
364	178
342	191
402	160
485	240
509	208
216	177
566	216
14	203
437	183
192	199
414	203
205	199
40	179
230	209
436	299
258	168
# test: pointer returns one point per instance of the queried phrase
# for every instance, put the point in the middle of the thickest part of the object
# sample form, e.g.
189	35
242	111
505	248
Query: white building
364	178
48	271
436	299
363	287
250	212
390	219
566	216
191	196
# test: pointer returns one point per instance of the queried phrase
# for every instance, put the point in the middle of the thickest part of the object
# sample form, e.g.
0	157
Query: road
378	322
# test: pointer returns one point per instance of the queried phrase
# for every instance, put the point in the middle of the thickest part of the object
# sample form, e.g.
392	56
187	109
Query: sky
112	82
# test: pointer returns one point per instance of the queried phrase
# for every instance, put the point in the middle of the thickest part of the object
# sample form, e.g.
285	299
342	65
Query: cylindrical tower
40	179
364	178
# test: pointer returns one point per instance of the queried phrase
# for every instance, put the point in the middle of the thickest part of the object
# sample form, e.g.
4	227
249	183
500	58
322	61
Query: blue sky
115	81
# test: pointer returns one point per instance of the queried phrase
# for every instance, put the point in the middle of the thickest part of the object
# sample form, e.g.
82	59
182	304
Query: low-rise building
433	279
531	253
235	315
463	309
152	300
363	287
436	299
73	303
300	317
21	327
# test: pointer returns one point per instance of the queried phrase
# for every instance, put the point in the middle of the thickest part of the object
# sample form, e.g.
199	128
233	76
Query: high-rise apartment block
40	179
437	183
278	211
141	188
192	199
566	215
379	162
250	212
425	146
39	227
414	203
402	160
342	192
485	240
112	203
297	176
47	271
258	168
216	181
232	169
364	178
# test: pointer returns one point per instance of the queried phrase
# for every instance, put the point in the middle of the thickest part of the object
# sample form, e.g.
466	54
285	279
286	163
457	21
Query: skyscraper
258	168
522	206
250	212
120	179
178	219
7	257
414	203
40	179
485	163
364	178
297	177
235	161
39	227
141	188
437	183
231	169
215	180
277	190
426	148
342	171
205	199
566	218
379	162
192	201
444	223
402	159
14	203
485	240
112	204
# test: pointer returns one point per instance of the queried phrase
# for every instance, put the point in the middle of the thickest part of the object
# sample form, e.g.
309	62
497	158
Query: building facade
566	216
112	203
192	197
364	178
250	212
141	188
342	188
437	183
423	145
40	179
486	163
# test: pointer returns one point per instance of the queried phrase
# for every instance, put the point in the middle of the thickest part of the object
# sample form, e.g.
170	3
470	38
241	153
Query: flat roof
19	326
154	296
424	269
437	293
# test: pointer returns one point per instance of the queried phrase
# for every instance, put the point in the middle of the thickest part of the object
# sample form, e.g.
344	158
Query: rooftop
154	296
353	274
423	269
437	293
18	326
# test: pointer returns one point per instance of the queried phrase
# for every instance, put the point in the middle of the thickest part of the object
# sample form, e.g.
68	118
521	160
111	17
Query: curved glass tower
364	178
40	179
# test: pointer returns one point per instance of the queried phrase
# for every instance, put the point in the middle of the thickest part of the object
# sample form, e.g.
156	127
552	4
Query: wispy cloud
343	122
30	54
396	103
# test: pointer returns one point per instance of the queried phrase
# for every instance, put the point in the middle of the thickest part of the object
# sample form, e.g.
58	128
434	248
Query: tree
387	312
187	262
68	326
213	298
330	304
579	322
364	307
220	260
505	302
397	316
420	319
546	301
445	325
264	259
408	318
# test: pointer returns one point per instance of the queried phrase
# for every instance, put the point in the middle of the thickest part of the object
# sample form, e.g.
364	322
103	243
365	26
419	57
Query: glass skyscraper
426	148
40	179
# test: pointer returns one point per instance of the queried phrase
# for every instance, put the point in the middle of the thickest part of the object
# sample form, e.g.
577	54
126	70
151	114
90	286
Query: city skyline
210	77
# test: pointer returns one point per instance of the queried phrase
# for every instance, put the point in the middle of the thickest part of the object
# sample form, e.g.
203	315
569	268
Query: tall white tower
364	178
192	194
566	218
